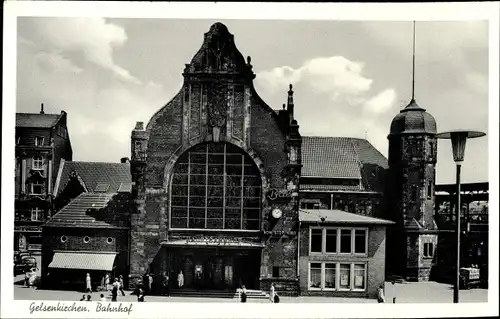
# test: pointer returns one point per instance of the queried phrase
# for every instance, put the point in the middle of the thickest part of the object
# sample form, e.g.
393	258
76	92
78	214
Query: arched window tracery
215	186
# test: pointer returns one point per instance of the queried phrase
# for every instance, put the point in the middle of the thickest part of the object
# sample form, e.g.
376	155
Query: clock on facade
276	213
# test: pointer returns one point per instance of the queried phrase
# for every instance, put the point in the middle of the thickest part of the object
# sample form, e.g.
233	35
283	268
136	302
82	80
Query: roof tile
336	216
36	120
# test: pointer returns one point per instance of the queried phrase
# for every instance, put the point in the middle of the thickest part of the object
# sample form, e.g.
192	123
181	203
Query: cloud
381	102
331	75
57	63
93	38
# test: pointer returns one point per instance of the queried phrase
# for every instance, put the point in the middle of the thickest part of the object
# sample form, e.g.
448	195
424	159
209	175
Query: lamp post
458	141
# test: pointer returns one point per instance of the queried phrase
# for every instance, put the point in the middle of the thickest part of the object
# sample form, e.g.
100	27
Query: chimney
41	109
124	160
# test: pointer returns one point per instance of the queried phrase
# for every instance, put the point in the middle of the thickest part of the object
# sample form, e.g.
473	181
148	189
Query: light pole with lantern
458	141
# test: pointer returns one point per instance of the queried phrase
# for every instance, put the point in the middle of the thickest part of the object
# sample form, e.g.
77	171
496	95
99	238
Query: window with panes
337	276
36	214
37	163
338	240
215	186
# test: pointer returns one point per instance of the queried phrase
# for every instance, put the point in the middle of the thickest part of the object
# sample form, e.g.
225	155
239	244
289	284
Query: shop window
345	276
331	241
315	276
345	241
36	214
215	186
64	239
39	141
359	275
37	163
276	272
86	239
316	240
330	273
428	250
110	240
360	239
36	189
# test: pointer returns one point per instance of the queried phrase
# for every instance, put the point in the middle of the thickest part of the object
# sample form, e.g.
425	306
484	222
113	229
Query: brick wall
375	260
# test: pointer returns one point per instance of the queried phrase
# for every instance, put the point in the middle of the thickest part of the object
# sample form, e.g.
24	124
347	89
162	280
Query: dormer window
38	141
37	163
36	189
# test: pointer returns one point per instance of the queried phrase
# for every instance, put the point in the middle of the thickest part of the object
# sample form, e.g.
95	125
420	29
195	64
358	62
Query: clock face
277	213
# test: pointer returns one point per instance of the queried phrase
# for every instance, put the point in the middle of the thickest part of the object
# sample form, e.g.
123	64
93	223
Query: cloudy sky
350	78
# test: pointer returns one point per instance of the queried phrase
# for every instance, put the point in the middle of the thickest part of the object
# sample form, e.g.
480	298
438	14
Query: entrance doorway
214	269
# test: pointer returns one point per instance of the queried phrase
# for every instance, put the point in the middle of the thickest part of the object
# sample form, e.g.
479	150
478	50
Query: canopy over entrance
83	261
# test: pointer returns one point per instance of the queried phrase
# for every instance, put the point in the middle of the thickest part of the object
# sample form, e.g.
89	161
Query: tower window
36	214
428	250
429	190
36	189
276	272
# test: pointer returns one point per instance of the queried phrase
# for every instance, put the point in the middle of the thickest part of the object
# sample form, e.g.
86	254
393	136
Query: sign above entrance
212	241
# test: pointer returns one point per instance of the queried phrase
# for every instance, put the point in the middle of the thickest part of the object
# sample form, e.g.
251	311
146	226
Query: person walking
27	278
32	278
114	290
243	294
276	298
140	295
150	282
166	289
106	282
180	279
380	294
120	281
88	287
272	293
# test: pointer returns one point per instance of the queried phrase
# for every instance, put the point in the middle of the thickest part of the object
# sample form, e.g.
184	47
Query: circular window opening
86	239
63	239
110	240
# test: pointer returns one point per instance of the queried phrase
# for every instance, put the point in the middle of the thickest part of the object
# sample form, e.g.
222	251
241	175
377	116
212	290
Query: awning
84	261
212	242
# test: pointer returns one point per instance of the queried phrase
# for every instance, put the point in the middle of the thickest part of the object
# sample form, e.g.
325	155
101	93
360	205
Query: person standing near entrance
243	294
165	284
114	291
150	282
120	281
380	294
272	292
88	287
180	279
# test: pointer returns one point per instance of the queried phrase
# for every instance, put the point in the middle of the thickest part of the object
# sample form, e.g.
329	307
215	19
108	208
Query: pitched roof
94	174
89	210
36	120
343	158
335	216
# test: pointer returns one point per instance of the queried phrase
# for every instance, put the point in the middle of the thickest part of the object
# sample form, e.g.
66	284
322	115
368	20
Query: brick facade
217	103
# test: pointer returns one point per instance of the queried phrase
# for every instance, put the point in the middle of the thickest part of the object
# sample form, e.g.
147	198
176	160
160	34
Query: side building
90	232
42	141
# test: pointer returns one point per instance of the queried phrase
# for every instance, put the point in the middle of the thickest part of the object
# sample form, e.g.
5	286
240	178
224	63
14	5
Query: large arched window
215	186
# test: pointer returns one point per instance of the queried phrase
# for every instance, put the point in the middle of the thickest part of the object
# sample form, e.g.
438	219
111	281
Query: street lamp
458	141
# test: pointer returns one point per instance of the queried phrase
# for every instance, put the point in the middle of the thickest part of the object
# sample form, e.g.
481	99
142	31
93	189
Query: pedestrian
180	279
114	290
150	282
103	298
243	294
380	294
120	281
165	284
272	293
32	278
83	298
140	295
88	287
89	298
26	278
103	283
106	282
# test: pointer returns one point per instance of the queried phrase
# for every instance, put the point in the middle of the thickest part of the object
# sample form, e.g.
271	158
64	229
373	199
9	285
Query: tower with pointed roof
410	191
